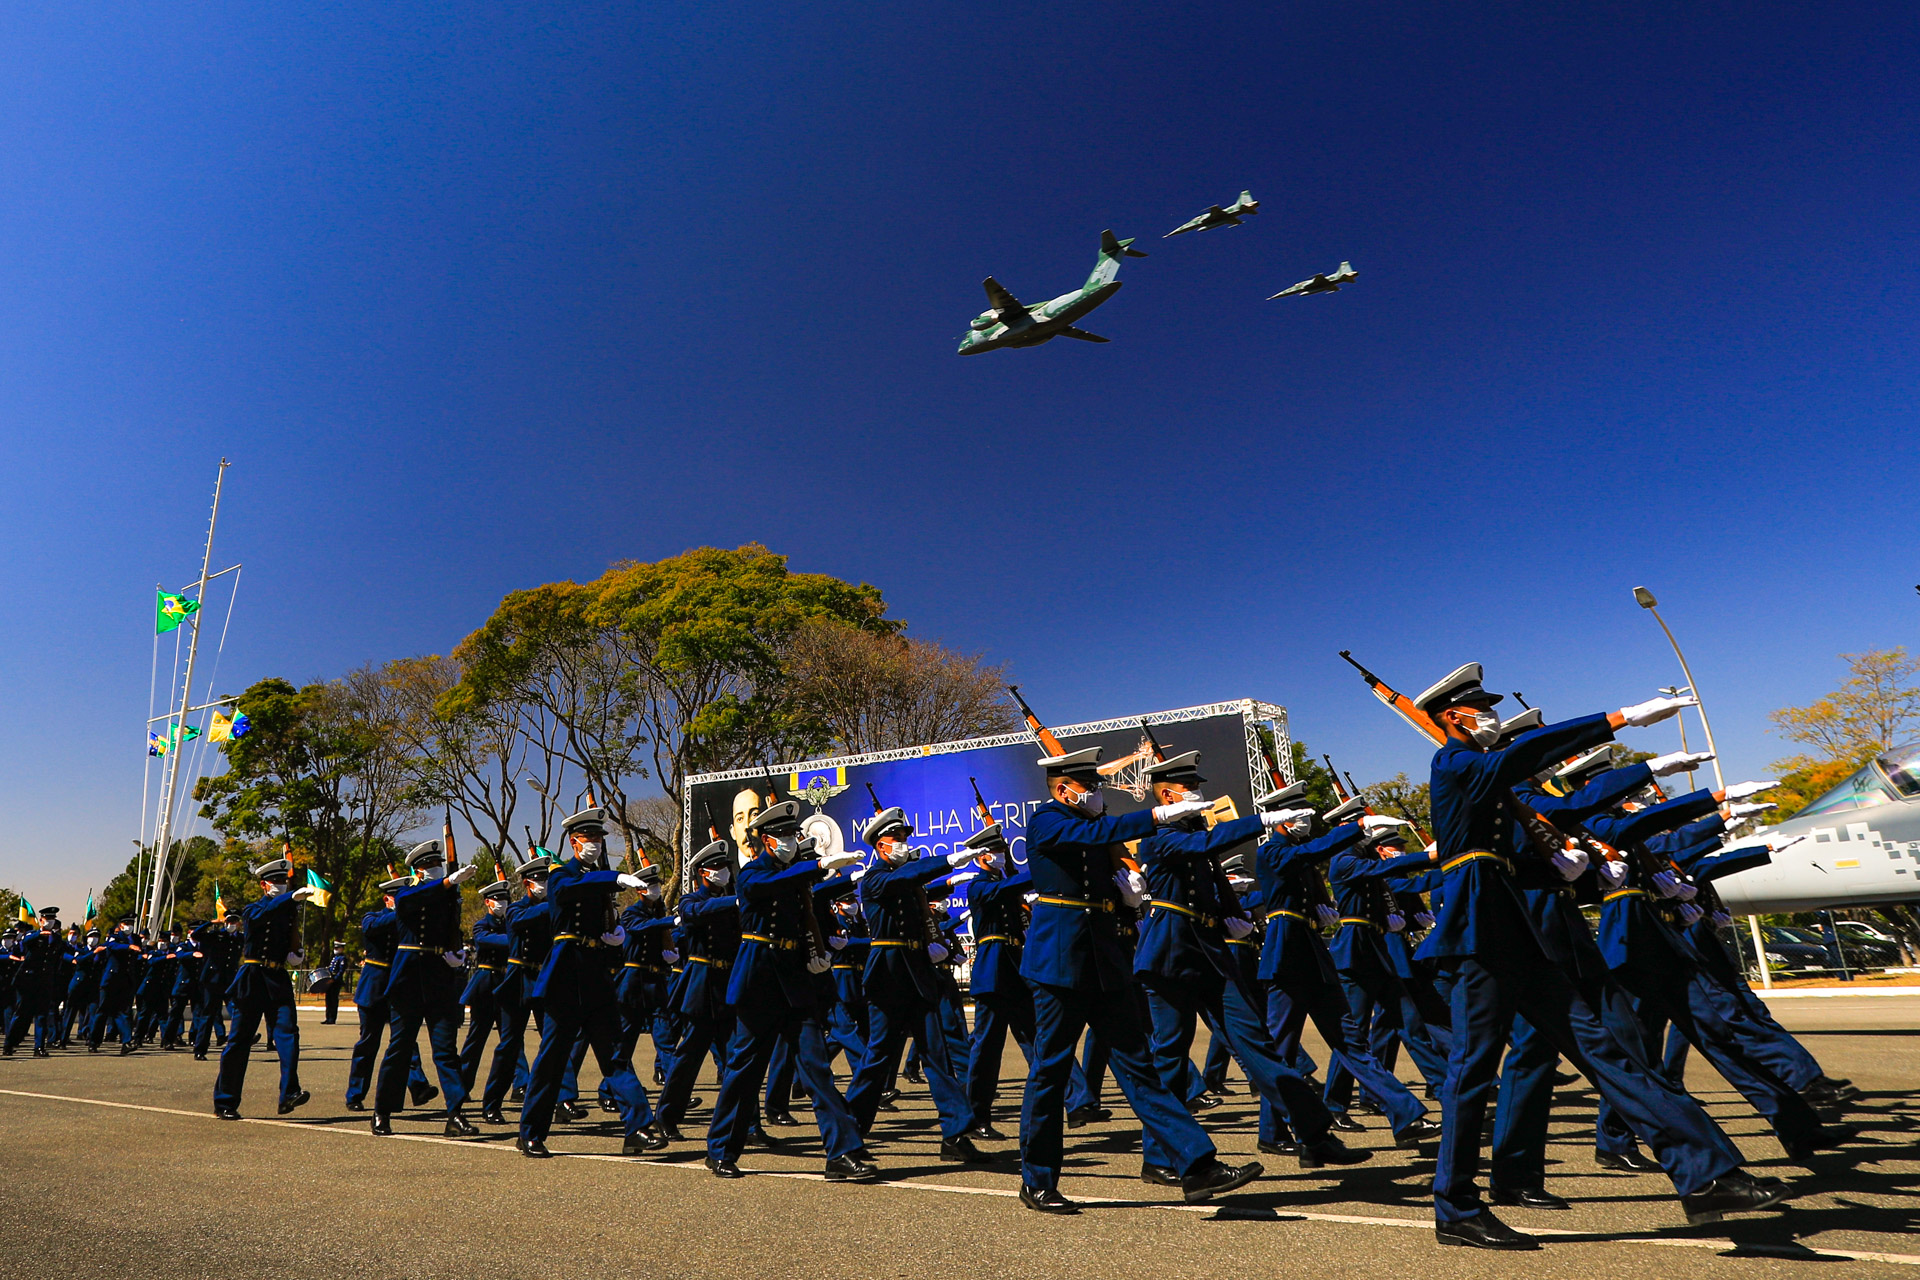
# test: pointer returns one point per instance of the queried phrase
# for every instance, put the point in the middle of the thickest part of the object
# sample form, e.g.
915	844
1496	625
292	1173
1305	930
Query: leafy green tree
1876	708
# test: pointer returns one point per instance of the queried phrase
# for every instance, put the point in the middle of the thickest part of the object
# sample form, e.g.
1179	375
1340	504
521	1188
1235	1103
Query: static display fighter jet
1009	324
1218	217
1321	283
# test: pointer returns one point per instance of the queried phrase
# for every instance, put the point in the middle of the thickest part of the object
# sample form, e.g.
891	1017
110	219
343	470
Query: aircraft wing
1003	302
1291	290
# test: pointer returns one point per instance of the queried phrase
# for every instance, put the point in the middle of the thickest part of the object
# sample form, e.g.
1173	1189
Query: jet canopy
1889	776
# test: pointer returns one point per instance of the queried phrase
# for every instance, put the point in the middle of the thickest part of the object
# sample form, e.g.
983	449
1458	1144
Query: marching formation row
1121	932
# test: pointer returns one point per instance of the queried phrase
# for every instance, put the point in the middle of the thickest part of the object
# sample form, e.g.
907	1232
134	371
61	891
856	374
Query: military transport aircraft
1009	324
1321	283
1218	217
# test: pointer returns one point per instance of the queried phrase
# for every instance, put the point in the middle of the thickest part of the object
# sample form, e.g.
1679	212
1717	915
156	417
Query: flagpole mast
162	845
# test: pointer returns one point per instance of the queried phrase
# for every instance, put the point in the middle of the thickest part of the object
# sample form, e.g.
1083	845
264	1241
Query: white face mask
434	873
496	906
1486	728
1093	804
536	889
593	853
719	877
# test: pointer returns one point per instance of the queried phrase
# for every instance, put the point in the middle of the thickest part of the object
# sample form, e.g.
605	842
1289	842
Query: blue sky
481	296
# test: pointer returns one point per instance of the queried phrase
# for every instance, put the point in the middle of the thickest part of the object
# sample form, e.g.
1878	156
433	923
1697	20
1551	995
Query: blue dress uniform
1184	963
423	989
577	988
219	948
1486	939
640	987
490	952
1363	886
1002	1002
186	977
119	958
379	934
1659	966
1080	969
903	996
782	1068
262	989
38	980
847	1020
773	995
710	926
527	933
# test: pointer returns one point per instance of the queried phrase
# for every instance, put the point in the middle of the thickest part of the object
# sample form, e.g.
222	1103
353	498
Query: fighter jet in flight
1321	283
1218	217
1009	324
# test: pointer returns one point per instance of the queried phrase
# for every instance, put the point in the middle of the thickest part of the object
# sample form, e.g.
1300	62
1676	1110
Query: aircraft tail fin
1246	197
1112	250
1346	269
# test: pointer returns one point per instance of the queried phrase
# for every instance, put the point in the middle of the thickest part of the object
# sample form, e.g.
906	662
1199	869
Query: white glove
937	953
1689	913
304	892
1686	892
859	875
837	942
1748	810
1570	863
960	857
818	964
615	938
1666	884
1741	790
954	881
626	881
1167	814
1395	922
669	954
1240	884
1654	710
1326	915
835	861
1721	920
1237	928
1423	919
1132	885
460	875
294	959
1281	817
1612	874
1678	762
1029	897
454	959
1381	821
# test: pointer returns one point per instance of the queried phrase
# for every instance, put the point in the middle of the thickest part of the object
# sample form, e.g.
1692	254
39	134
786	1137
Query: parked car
1787	949
1860	954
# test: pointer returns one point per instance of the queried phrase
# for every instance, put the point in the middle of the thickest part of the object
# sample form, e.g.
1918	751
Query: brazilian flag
169	611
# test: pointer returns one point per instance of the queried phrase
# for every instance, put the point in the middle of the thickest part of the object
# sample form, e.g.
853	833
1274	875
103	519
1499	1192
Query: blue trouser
118	1018
1687	1143
410	1004
1089	1073
1291	1000
757	1027
282	1025
1060	1014
563	1025
366	1054
1669	991
1235	1014
782	1070
1428	1042
1764	1039
996	1014
509	1064
482	1016
847	1029
1378	1006
1213	1073
27	1012
887	1028
698	1036
207	1023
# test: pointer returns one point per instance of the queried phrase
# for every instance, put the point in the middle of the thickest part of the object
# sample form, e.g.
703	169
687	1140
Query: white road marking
1814	1252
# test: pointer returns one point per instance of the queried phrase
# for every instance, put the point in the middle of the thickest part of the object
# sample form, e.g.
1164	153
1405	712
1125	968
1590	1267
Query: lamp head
1644	597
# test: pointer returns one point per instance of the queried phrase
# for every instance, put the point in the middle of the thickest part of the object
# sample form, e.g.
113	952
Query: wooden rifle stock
446	839
980	805
1040	731
1398	702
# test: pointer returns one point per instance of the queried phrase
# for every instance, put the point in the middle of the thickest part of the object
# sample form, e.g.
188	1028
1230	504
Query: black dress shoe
1329	1150
693	1103
1082	1116
382	1127
519	1094
780	1119
672	1132
758	1137
609	1106
1223	1089
647	1138
491	1115
421	1097
126	1049
532	1148
1347	1124
1630	1161
299	1099
458	1126
571	1112
1483	1231
7	1053
1203	1102
227	1113
1158	1175
1046	1200
913	1077
1421	1130
1825	1094
1561	1079
986	1133
962	1150
1735	1193
659	1074
851	1168
200	1055
357	1105
888	1097
1286	1148
723	1168
1217	1179
1527	1198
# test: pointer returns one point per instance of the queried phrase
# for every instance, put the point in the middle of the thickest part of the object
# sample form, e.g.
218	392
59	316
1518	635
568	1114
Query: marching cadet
1299	971
379	935
525	929
1184	963
1484	935
118	957
262	989
577	988
39	979
337	967
900	984
424	987
847	1020
710	926
639	990
489	958
218	948
1002	1002
773	995
1080	971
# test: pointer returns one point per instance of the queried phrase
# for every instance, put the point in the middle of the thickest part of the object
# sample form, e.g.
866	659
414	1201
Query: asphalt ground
116	1167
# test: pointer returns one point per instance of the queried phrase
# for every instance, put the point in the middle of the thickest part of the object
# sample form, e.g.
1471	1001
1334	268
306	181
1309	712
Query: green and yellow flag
27	913
322	891
170	611
219	907
86	921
